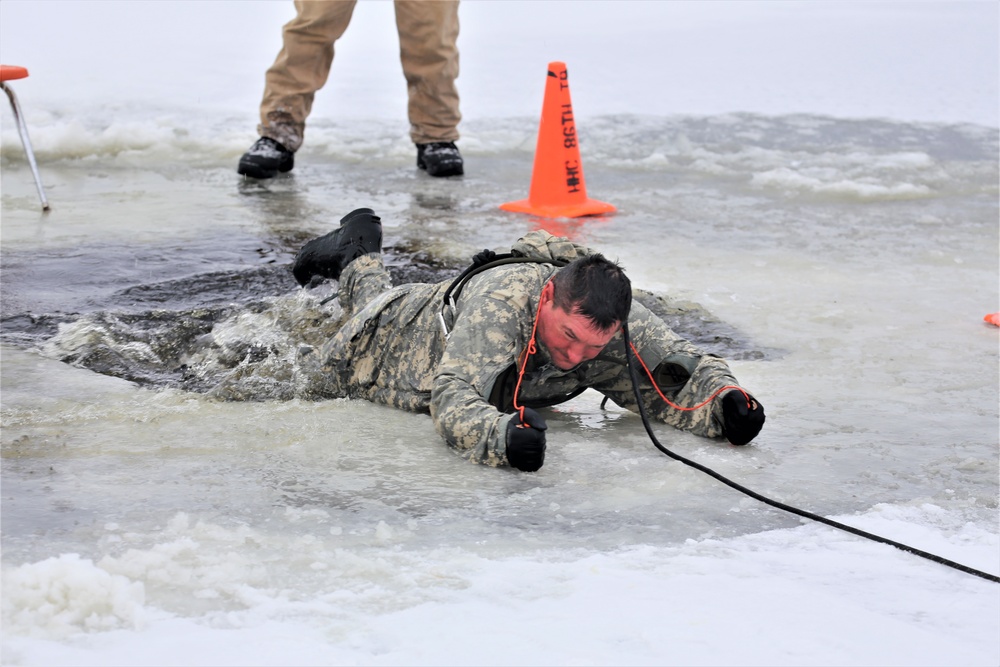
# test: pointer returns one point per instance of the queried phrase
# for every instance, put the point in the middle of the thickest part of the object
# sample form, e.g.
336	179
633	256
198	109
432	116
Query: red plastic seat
10	73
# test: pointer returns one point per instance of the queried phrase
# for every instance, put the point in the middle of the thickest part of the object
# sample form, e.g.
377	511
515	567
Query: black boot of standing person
440	158
265	159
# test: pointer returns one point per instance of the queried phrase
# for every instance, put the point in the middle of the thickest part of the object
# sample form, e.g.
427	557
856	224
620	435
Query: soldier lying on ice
518	336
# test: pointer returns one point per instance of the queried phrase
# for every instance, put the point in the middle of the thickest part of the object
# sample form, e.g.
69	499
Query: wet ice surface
856	256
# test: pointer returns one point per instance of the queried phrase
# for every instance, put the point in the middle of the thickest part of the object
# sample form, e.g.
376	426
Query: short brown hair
595	287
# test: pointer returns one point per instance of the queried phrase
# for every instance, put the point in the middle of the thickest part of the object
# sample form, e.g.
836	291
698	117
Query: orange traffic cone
557	185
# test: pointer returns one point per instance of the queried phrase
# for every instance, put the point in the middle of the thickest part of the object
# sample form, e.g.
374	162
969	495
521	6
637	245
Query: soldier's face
570	338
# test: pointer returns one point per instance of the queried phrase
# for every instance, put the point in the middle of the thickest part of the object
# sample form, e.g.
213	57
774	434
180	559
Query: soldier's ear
547	293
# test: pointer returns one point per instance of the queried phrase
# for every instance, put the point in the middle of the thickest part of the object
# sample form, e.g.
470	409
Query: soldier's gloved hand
741	422
526	441
484	256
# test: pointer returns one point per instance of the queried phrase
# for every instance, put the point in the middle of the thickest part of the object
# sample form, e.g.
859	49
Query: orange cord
528	351
532	348
674	405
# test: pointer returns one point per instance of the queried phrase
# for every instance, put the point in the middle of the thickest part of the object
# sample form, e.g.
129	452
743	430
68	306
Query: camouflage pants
389	347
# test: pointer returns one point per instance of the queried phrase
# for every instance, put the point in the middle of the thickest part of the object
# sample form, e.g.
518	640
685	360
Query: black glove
740	422
526	441
484	256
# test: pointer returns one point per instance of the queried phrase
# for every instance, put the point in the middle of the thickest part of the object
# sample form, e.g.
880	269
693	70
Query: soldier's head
582	308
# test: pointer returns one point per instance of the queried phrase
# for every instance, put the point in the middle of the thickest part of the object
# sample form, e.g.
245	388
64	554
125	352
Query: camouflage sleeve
540	244
483	342
657	345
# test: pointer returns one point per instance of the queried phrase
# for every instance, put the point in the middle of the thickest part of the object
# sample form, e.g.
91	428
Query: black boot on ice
360	233
440	158
265	159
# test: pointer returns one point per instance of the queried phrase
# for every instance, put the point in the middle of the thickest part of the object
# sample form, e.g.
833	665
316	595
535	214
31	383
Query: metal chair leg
26	142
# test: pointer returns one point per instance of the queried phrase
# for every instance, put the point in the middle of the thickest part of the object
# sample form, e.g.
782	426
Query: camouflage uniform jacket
394	351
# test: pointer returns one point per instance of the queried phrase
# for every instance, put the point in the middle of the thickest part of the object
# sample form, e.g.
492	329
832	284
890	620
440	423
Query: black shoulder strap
483	261
494	261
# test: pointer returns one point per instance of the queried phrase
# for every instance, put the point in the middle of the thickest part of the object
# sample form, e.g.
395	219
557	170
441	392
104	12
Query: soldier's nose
574	355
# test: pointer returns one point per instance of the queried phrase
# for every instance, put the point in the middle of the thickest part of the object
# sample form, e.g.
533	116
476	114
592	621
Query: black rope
775	503
485	260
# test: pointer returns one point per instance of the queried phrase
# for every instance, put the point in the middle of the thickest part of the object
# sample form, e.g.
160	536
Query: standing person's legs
301	68
428	51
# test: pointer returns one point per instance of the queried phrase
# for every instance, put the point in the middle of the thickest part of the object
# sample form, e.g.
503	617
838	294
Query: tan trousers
428	32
